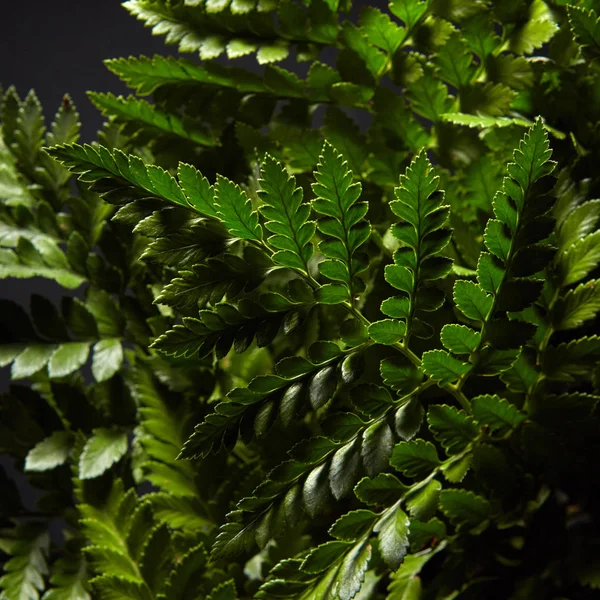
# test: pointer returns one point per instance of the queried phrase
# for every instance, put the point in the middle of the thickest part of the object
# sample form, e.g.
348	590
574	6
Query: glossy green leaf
101	451
49	453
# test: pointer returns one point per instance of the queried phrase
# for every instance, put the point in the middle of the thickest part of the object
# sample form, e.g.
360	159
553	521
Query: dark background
58	47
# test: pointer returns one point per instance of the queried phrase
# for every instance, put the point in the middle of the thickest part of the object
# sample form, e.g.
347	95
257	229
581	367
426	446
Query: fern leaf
97	163
227	276
134	110
336	199
283	393
354	38
455	62
235	210
423	236
229	325
69	580
317	468
101	451
538	29
30	130
512	238
585	26
199	193
24	572
429	97
571	360
380	30
579	259
465	509
408	11
286	216
45	259
578	305
214	29
224	591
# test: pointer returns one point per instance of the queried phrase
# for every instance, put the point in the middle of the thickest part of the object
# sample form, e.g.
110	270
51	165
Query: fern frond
24	573
320	468
229	325
268	395
286	216
96	164
344	224
237	29
227	276
515	256
140	113
423	236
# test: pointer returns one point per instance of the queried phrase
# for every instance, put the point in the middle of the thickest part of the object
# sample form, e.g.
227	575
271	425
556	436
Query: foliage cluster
299	358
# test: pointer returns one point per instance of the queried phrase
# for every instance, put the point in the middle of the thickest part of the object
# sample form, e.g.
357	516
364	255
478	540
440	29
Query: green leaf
408	11
578	305
235	210
322	386
49	453
422	504
373	58
472	300
224	591
332	293
455	62
344	468
579	223
69	580
429	97
27	262
456	470
388	331
459	339
442	367
95	163
495	412
464	508
408	419
24	572
286	216
107	360
31	360
422	234
199	193
377	444
181	580
406	583
134	110
483	121
67	358
392	534
579	259
585	26
101	451
416	458
537	30
322	557
453	428
343	221
353	525
383	490
380	30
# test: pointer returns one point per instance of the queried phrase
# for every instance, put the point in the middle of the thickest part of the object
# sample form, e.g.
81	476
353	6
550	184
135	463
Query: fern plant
296	358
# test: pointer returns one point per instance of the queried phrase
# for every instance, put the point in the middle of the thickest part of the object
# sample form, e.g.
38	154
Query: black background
58	47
